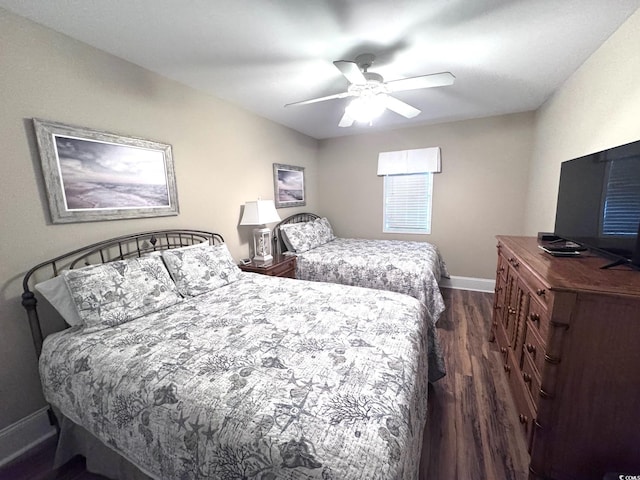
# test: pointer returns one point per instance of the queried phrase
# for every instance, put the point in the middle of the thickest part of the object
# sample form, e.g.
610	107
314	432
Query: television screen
599	201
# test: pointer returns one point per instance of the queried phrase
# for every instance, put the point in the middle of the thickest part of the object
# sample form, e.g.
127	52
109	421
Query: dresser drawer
499	294
537	288
534	347
538	316
503	266
531	377
525	408
280	266
501	338
284	269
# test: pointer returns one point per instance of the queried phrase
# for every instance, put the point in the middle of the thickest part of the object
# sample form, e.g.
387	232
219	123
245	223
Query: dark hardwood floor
38	465
472	431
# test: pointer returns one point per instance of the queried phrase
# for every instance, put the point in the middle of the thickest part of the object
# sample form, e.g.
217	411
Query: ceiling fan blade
424	81
346	120
400	107
320	99
351	71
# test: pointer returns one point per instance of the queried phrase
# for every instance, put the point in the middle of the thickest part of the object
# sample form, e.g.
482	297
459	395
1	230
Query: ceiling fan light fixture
372	95
364	109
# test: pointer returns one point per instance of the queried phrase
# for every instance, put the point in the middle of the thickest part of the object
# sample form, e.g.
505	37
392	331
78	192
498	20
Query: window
622	201
408	187
407	203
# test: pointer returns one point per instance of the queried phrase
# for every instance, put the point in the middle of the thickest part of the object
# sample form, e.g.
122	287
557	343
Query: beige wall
223	157
597	108
481	191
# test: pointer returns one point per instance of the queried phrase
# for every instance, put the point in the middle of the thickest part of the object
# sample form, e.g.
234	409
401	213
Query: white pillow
56	292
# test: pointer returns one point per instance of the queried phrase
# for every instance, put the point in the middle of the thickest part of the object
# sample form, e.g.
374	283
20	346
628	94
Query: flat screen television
599	203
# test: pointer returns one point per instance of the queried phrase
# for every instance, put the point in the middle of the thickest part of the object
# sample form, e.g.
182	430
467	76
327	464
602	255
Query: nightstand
281	266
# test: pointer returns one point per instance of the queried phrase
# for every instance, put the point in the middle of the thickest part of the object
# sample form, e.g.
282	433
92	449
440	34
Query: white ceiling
507	55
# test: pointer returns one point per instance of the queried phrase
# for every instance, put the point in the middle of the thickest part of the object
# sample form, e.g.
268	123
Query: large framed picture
288	184
91	175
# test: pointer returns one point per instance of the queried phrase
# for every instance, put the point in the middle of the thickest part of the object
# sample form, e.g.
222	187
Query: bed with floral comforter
409	267
413	268
259	378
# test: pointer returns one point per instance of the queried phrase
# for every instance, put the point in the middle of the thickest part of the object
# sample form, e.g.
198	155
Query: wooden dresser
569	335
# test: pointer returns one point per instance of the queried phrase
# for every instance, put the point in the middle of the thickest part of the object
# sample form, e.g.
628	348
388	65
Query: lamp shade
259	212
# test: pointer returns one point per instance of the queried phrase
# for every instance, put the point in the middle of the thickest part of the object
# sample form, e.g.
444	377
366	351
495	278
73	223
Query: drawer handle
507	368
526	377
523	418
534	317
511	311
514	262
503	350
541	292
530	348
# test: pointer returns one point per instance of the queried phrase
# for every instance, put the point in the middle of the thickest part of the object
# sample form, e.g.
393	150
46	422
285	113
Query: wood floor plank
471	410
472	430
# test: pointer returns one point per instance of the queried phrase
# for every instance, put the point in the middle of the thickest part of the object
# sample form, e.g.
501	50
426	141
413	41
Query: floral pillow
116	292
199	269
300	237
325	232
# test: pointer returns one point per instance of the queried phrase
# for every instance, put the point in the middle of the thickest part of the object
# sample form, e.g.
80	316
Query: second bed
409	267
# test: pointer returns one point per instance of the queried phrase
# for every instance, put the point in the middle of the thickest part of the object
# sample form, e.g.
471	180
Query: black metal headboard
278	243
117	248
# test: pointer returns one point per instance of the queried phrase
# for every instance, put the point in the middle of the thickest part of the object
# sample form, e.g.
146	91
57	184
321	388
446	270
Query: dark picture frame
91	175
289	186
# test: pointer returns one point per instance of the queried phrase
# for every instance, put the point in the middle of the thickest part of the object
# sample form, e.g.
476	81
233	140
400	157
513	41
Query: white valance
419	160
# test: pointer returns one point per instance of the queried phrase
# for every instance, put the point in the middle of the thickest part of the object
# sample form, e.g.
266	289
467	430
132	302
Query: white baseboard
24	435
469	283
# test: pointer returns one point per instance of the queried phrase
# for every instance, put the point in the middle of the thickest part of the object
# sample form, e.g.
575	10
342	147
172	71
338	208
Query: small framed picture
91	175
288	184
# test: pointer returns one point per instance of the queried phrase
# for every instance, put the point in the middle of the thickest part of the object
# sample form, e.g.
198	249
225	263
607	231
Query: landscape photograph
101	175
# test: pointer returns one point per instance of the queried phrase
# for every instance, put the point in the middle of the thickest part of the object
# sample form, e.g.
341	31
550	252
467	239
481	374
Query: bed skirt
75	440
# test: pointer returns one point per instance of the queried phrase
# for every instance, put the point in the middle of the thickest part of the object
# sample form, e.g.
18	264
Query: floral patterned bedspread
413	268
265	378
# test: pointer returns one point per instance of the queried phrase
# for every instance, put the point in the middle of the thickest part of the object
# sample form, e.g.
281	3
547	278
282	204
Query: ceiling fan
371	92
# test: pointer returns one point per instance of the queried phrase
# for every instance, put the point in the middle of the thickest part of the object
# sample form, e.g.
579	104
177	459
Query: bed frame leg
53	420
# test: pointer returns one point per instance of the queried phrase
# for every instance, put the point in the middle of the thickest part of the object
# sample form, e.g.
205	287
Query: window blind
407	203
622	203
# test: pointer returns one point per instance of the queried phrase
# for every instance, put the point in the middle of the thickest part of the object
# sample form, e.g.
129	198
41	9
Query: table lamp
260	213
